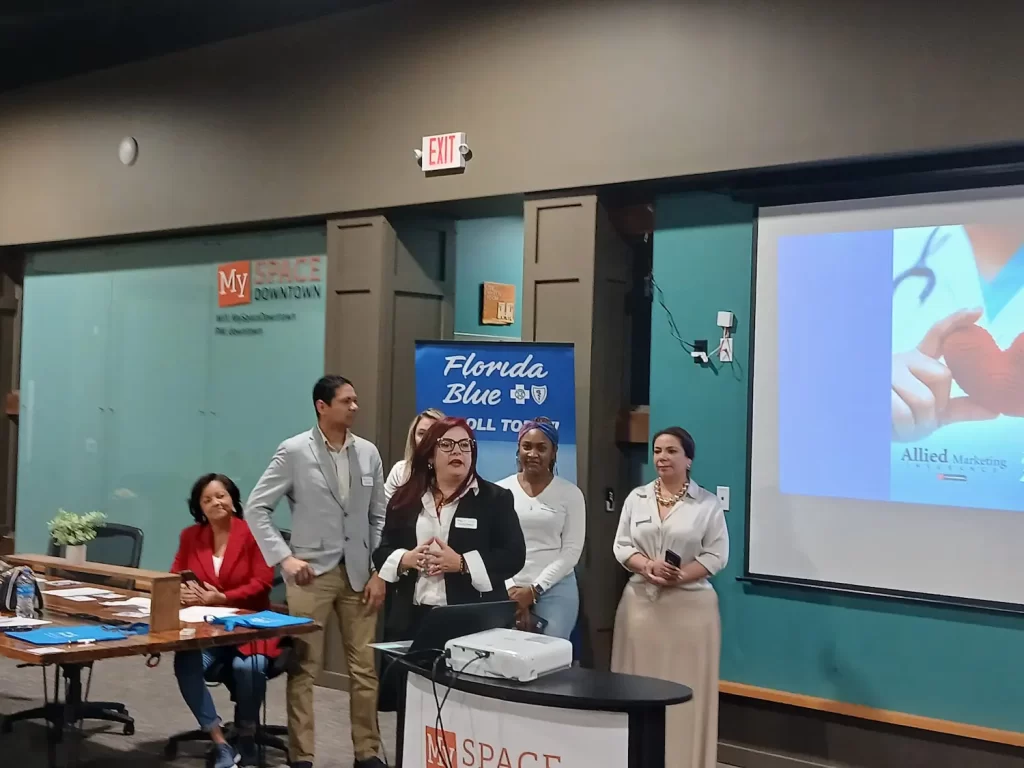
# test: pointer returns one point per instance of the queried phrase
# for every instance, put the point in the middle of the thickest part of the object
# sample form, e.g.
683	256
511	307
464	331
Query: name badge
367	481
466	522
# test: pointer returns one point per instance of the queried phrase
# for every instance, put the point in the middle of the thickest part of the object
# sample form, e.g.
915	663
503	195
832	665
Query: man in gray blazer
334	484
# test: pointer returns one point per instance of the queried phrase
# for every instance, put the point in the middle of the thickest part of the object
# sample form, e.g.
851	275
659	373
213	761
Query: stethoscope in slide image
920	268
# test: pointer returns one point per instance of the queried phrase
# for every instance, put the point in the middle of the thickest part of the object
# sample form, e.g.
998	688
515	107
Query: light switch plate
723	496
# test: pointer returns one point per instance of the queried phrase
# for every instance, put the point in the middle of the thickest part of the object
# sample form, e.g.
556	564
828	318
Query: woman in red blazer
231	571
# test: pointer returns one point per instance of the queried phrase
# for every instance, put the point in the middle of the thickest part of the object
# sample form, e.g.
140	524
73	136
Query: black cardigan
497	537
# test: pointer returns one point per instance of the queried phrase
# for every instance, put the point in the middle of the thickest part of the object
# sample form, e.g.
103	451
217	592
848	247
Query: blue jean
559	607
248	683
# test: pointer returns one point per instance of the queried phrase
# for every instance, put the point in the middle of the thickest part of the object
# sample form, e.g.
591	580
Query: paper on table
197	614
61	582
140	602
81	592
135	615
15	621
43	650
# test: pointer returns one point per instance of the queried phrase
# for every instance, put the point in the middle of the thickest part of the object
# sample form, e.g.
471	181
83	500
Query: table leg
72	712
400	725
647	738
60	718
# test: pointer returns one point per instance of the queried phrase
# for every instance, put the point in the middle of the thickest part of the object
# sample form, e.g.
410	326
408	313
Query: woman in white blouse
553	514
417	429
672	537
450	538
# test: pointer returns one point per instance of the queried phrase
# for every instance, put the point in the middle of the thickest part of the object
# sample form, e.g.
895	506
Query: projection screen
887	446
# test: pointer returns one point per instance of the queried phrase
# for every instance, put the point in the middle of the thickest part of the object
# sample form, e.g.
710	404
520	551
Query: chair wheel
129	729
6	726
171	750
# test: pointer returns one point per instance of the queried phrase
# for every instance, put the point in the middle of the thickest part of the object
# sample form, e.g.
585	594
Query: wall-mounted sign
444	152
265	291
498	306
274	278
497	386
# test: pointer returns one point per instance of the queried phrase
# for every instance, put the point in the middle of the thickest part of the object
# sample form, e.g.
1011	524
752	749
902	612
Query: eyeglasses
447	445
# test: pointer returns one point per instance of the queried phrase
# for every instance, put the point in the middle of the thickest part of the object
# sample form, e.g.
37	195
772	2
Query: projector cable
395	663
439	702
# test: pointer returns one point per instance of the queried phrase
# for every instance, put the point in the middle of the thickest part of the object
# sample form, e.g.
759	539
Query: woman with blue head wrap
552	512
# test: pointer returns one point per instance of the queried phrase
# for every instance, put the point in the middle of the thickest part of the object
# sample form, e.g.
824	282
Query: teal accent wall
487	250
948	663
135	381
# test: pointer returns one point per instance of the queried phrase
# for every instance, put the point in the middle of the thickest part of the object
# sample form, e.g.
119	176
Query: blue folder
65	635
261	620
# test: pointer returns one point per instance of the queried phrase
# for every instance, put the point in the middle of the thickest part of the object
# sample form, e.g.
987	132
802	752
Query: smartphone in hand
673	559
187	576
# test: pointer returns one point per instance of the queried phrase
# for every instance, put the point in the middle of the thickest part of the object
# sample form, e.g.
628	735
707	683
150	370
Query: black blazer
498	538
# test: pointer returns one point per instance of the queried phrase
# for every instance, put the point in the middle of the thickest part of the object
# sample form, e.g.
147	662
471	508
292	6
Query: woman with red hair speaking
450	537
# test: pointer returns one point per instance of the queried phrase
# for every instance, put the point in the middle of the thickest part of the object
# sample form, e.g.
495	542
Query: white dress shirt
340	456
430	590
397	477
554	525
217	563
694	529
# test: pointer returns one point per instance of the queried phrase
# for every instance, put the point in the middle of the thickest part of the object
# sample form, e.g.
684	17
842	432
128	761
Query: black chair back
115	544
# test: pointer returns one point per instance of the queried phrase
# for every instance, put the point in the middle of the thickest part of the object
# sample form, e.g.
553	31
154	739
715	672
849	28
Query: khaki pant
358	624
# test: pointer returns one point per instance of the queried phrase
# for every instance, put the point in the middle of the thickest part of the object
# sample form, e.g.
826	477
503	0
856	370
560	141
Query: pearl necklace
669	501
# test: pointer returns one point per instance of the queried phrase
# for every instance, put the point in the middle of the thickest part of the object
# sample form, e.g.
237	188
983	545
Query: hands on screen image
921	385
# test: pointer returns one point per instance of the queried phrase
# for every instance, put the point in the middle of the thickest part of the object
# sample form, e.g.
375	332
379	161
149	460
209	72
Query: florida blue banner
496	386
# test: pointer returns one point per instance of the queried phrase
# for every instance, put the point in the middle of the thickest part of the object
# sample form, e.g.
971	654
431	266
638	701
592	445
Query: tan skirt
677	637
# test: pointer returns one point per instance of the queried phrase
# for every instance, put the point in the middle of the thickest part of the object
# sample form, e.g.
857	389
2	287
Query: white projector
508	654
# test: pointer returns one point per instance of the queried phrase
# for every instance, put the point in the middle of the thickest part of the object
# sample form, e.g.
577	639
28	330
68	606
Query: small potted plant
73	532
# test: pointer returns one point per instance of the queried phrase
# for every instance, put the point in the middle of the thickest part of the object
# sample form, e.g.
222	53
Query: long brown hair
405	505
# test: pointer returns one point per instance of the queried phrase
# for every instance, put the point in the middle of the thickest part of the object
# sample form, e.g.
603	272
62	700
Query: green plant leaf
69	529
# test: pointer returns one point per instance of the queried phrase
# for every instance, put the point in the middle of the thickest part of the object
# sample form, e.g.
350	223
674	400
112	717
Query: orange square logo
440	750
234	284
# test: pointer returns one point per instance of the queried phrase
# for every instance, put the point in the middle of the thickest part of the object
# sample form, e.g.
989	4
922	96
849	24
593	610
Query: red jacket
245	578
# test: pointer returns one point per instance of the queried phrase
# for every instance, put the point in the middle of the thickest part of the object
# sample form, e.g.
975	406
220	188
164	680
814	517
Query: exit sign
442	152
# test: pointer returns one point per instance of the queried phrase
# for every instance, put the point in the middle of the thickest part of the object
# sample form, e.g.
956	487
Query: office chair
269	736
115	544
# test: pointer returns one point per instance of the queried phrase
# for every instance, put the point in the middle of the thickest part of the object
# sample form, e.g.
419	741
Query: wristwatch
538	590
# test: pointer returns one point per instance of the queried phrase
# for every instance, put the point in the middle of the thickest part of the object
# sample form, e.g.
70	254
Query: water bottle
26	593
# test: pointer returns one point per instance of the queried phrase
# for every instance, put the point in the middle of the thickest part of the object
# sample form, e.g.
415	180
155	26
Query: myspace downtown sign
496	386
243	282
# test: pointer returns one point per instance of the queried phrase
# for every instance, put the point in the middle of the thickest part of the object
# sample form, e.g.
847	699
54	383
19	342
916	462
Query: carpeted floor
152	698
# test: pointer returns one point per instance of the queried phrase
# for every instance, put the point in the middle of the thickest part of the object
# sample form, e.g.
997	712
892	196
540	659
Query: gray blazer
323	529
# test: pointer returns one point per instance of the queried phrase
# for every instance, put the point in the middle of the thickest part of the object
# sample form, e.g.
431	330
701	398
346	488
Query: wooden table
73	658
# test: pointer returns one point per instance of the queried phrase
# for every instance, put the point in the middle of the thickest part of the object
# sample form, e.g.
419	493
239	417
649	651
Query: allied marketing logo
243	282
951	466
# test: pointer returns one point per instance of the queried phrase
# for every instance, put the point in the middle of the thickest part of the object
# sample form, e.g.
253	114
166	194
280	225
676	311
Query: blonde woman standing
672	537
417	429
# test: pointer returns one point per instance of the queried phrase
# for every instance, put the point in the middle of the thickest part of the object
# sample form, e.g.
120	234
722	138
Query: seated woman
450	537
553	514
231	571
417	429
